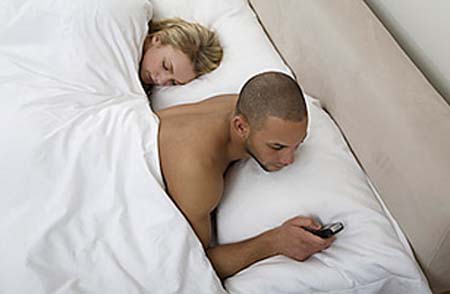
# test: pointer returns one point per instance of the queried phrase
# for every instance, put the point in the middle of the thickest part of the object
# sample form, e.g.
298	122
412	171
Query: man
198	142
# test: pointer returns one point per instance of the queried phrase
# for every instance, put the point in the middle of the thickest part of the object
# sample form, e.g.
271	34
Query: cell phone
328	230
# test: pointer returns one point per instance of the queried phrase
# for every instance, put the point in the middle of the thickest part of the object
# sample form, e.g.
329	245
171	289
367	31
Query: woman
176	52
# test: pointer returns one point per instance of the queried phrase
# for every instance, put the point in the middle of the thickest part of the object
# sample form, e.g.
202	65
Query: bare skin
163	65
197	143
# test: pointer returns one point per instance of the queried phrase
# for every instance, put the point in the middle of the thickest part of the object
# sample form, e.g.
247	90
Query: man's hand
295	242
289	239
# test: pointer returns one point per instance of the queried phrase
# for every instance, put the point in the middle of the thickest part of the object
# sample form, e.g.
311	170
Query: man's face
273	146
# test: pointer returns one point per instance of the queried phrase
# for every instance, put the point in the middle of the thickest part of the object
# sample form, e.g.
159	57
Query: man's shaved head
271	94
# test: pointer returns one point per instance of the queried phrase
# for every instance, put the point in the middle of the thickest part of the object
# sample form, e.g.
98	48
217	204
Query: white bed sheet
82	204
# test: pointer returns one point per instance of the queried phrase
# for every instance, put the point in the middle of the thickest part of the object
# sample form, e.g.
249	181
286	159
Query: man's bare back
192	143
198	142
197	130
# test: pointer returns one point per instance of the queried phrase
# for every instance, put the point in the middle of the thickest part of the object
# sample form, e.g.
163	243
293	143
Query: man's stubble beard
248	149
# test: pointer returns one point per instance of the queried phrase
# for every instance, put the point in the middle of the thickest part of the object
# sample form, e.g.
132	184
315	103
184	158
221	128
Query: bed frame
396	123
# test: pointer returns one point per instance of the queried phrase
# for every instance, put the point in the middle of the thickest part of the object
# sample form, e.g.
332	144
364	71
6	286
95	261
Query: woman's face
163	65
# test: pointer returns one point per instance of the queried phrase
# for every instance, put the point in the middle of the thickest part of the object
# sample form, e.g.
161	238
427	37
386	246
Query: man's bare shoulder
195	185
222	98
219	102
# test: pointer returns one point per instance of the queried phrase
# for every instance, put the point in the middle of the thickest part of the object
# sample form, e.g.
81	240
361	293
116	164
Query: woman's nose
167	82
163	80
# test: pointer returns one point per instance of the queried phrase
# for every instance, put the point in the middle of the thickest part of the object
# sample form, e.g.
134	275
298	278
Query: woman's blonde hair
201	45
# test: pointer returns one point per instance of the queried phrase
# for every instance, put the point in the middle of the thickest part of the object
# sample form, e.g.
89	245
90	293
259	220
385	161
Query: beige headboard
396	123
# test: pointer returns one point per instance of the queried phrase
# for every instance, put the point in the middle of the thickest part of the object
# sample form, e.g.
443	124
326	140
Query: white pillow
324	182
247	50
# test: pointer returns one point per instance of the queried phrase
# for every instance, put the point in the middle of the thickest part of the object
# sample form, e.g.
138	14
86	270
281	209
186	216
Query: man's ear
240	126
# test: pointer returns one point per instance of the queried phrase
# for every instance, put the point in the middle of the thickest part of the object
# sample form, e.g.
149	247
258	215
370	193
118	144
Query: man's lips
280	165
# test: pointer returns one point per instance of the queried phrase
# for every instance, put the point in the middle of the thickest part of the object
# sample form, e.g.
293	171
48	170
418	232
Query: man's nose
288	157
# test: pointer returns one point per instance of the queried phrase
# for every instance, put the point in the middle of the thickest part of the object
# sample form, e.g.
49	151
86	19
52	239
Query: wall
422	28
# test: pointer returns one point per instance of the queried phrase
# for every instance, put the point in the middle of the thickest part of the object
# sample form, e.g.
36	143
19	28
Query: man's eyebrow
283	145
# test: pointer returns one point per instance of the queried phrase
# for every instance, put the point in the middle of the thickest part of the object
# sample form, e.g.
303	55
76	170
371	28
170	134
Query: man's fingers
329	241
324	242
301	221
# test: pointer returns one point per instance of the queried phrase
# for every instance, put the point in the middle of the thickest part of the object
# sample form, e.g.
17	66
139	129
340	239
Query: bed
83	205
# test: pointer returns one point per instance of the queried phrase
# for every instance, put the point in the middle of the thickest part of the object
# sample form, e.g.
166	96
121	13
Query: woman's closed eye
167	66
164	65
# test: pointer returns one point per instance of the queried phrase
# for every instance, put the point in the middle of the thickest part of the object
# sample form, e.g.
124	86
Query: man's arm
197	191
289	239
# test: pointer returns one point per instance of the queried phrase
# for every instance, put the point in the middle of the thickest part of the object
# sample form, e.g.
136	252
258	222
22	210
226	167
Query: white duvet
82	203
